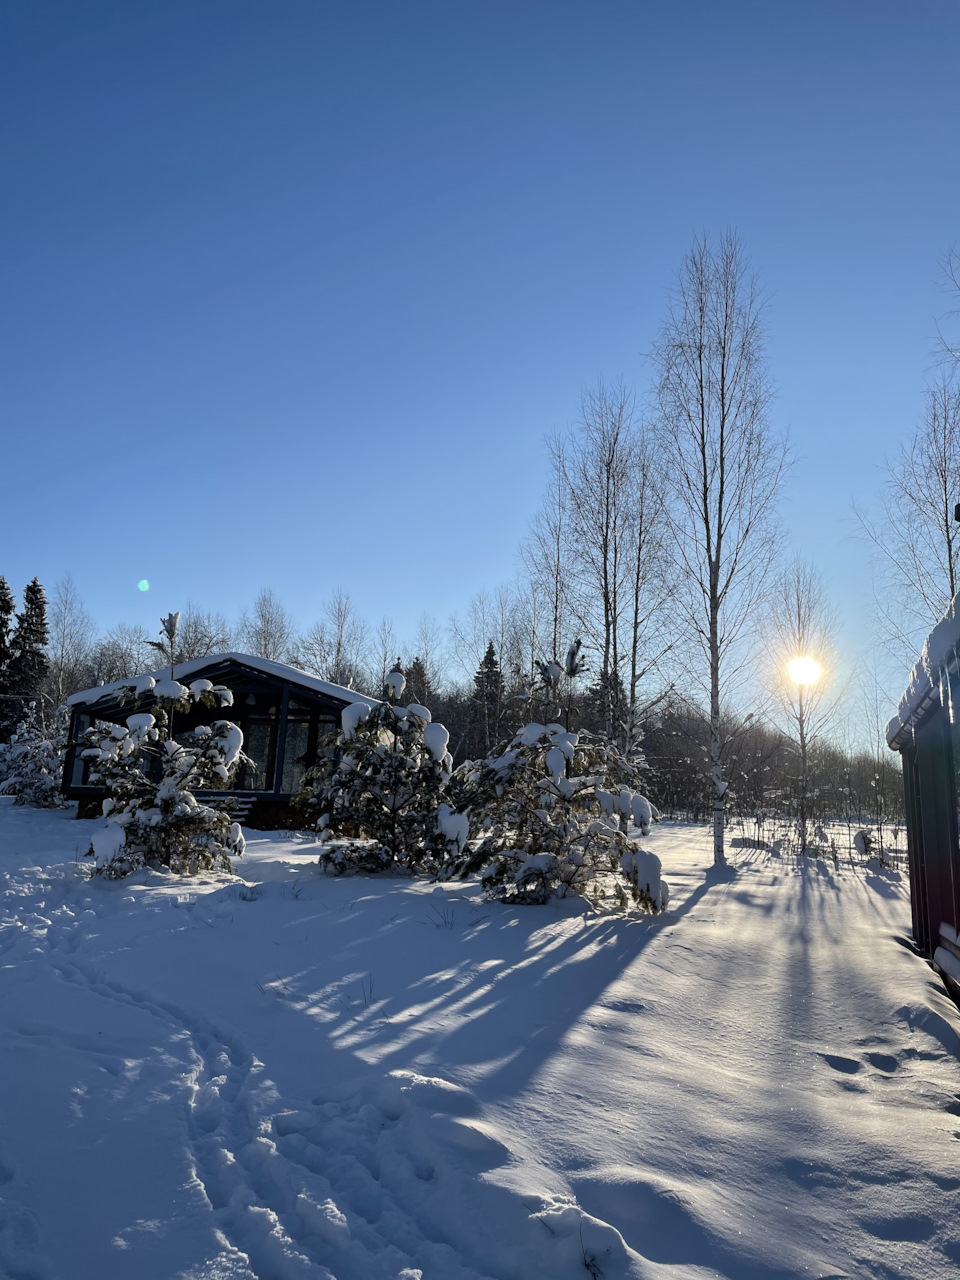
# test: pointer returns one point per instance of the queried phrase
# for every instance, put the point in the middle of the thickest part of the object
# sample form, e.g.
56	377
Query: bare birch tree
489	617
805	678
429	647
595	550
723	467
268	630
384	655
123	652
201	633
71	636
917	541
544	556
335	648
597	468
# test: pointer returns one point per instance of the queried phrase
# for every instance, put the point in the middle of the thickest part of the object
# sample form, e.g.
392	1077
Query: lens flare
143	585
804	670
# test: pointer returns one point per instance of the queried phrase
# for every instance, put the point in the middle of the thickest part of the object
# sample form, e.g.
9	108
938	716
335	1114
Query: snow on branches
31	763
552	808
153	817
379	788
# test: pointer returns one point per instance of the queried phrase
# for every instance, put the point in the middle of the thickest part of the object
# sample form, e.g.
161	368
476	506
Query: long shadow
549	991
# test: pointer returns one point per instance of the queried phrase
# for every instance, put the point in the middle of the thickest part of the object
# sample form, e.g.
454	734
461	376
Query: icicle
950	715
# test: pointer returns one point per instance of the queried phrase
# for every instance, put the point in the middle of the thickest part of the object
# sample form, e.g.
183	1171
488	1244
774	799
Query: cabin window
295	750
259	744
81	767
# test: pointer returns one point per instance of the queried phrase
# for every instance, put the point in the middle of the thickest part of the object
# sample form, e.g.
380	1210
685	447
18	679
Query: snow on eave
181	670
938	655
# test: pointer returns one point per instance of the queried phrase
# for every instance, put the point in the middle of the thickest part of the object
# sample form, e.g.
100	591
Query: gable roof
196	667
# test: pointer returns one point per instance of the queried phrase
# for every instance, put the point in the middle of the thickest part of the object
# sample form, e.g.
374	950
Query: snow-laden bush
863	842
378	789
31	763
153	817
552	810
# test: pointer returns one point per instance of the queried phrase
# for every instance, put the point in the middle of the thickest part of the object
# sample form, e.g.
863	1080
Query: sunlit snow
290	1075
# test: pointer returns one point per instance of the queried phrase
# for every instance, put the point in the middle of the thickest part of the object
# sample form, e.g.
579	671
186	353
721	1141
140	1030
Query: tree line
657	546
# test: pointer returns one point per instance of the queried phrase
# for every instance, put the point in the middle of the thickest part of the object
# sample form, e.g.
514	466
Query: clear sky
293	291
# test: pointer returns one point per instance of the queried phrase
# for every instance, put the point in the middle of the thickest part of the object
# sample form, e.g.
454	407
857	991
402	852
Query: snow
643	812
555	761
530	734
142	722
948	962
294	1076
455	826
351	717
107	841
230	741
939	652
395	683
185	669
435	739
644	869
172	689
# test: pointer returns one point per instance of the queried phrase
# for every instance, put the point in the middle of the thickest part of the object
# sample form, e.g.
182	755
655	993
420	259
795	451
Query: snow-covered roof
183	669
938	656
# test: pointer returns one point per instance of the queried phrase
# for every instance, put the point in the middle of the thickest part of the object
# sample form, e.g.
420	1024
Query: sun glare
804	670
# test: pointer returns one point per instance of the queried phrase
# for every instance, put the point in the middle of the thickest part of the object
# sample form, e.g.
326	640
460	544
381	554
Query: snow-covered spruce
153	817
31	763
378	789
552	810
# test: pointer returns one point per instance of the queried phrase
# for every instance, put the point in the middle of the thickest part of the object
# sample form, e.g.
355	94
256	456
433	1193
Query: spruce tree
418	686
29	664
487	699
382	778
7	610
31	764
153	816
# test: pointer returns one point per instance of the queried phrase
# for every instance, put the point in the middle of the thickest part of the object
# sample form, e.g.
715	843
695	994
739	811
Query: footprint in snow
849	1066
912	1227
883	1062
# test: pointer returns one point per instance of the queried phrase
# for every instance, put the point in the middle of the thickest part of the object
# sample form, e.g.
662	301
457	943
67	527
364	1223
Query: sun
804	670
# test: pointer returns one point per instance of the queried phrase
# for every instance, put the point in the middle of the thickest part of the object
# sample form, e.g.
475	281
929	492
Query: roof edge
182	670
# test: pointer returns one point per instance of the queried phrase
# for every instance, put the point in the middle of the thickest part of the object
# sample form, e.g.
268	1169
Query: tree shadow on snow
506	1015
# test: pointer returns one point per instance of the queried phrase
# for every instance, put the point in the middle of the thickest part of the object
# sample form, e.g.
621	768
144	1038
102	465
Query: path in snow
378	1079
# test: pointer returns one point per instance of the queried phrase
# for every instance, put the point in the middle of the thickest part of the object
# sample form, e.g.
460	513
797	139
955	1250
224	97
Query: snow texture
298	1078
939	653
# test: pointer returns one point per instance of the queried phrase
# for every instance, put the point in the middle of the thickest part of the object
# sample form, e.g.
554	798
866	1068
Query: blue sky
292	292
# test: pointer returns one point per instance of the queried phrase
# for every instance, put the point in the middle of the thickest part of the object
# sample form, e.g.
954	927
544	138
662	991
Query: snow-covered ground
303	1077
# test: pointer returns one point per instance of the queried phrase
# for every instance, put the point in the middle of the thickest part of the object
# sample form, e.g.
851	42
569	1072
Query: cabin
282	712
926	732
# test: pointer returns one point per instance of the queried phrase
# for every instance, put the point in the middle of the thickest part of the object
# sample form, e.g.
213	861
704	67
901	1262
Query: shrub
153	817
551	809
378	789
31	763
